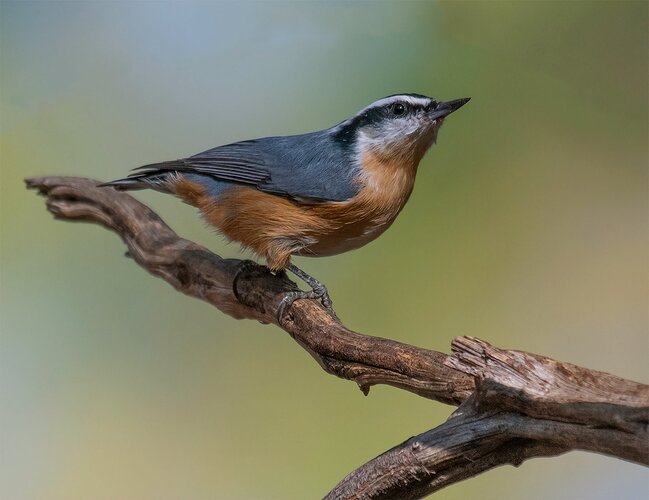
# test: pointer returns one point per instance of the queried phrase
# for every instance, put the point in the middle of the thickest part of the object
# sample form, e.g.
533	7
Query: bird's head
399	126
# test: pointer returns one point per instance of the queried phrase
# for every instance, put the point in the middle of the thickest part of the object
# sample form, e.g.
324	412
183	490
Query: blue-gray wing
310	166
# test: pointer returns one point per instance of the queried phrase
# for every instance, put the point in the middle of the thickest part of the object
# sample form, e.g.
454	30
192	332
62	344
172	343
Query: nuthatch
314	194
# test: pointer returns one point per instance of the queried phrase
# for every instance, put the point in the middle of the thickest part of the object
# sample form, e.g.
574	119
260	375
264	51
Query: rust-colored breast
276	228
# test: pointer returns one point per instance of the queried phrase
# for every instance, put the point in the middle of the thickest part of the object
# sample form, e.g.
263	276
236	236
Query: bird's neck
388	177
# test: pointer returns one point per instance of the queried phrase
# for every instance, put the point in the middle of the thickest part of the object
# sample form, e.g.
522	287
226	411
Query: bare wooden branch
244	289
513	405
525	406
544	388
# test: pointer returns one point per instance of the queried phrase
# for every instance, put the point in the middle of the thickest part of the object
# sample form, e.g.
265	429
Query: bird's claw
317	293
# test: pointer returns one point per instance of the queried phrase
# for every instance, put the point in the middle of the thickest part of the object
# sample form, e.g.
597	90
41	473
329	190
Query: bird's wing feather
308	166
237	162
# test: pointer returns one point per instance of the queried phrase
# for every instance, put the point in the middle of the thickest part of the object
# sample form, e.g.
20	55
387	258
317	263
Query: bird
316	194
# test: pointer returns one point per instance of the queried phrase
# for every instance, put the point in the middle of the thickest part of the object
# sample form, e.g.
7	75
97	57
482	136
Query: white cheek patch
393	140
394	133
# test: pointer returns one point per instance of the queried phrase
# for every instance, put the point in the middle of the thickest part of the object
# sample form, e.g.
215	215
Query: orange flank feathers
276	228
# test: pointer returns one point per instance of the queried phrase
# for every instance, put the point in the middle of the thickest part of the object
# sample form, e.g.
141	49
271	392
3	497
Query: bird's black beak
446	108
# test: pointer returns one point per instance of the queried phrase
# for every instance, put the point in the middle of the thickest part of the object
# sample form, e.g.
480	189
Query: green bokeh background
528	227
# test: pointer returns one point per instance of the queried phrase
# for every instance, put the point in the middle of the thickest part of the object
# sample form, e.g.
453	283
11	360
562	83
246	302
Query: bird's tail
157	176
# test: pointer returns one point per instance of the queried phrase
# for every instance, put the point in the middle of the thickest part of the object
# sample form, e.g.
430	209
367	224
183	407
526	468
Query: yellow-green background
527	228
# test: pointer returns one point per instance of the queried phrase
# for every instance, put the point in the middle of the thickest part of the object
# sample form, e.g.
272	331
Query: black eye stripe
401	108
378	114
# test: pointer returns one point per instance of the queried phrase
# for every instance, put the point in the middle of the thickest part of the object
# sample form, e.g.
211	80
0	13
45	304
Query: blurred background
528	228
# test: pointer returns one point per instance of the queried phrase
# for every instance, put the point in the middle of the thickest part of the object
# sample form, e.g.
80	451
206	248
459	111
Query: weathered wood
544	388
513	405
524	406
247	290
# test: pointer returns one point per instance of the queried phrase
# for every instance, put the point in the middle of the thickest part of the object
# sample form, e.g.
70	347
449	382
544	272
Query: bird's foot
318	291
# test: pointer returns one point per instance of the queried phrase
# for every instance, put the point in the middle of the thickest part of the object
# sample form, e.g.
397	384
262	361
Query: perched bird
315	194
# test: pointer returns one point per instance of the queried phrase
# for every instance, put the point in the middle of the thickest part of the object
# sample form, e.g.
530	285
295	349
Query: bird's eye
398	109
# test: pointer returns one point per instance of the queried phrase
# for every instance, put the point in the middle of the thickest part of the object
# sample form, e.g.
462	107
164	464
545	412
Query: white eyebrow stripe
421	101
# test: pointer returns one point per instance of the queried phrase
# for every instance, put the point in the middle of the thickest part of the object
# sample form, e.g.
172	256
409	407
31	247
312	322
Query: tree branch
513	405
247	290
524	406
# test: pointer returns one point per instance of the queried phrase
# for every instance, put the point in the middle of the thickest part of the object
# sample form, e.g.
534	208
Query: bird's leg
318	291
